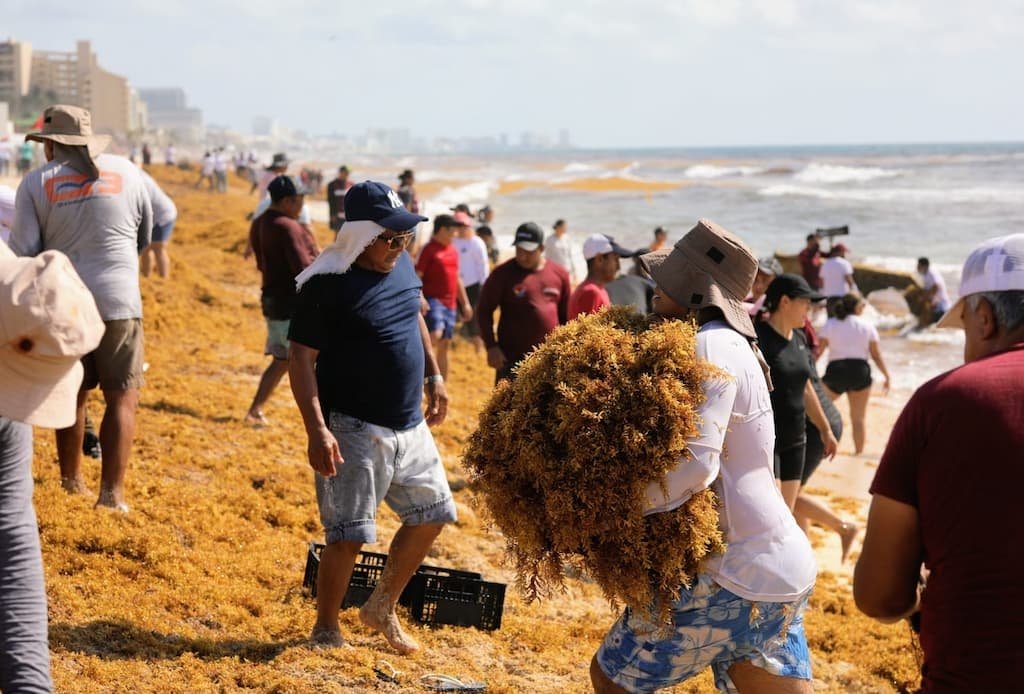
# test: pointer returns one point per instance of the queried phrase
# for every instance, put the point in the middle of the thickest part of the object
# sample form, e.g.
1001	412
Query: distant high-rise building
263	126
15	71
75	77
563	139
167	108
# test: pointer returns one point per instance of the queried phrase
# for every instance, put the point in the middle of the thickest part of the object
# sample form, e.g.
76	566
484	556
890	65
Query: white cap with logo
48	321
997	265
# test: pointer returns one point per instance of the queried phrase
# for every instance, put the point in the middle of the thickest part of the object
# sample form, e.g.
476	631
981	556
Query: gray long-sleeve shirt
101	225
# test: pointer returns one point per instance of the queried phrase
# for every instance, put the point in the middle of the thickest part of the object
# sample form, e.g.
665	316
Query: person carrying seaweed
742	613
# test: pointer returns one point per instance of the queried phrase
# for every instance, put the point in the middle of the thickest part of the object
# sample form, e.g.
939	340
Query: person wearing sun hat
48	321
360	364
94	208
752	596
942	543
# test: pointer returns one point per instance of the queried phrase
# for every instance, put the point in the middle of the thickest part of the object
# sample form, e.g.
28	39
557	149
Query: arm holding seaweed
699	467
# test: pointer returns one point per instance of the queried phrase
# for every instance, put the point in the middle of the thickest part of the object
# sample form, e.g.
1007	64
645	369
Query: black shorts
789	463
844	375
815	446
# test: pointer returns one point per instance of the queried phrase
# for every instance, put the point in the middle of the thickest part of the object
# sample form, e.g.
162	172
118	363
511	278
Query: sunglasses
398	241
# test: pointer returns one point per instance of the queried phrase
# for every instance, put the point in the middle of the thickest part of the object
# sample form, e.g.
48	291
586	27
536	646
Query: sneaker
91	445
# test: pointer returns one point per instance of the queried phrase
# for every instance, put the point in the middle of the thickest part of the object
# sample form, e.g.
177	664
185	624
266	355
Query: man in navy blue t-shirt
361	359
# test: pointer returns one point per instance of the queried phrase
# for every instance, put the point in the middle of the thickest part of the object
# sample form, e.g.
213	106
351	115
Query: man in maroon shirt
602	256
438	269
947	494
533	296
283	248
810	261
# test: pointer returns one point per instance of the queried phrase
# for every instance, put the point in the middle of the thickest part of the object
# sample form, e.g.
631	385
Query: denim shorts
402	468
440	317
277	338
710	627
162	232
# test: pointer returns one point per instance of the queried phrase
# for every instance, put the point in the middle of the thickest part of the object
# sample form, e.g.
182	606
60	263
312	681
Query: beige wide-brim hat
70	125
707	267
48	321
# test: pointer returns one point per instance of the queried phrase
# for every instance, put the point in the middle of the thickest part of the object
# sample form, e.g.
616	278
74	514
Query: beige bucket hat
70	125
707	267
48	321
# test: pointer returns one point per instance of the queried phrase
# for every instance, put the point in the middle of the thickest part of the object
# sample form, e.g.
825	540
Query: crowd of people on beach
363	327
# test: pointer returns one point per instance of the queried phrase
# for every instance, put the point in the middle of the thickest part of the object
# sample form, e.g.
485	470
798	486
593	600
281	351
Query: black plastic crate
466	602
367	572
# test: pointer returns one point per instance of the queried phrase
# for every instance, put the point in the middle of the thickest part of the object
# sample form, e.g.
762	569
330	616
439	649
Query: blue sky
616	74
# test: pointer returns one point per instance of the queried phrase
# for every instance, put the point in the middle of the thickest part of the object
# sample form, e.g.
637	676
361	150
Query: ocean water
900	202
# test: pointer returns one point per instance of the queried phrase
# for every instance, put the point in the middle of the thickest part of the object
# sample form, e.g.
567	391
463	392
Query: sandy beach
199	587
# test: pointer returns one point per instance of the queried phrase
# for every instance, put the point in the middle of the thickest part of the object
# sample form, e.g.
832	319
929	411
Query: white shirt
767	556
941	298
849	338
220	162
834	272
164	210
560	251
208	165
473	266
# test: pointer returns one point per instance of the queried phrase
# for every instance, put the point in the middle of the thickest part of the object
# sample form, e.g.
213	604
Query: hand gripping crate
434	595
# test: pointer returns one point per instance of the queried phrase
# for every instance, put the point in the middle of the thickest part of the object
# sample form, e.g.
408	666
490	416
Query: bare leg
146	261
163	261
790	491
336	564
602	685
408	549
440	345
809	509
117	430
69	450
271	377
750	679
858	410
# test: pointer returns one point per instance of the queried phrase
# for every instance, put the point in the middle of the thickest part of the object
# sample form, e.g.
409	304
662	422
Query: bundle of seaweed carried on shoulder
563	455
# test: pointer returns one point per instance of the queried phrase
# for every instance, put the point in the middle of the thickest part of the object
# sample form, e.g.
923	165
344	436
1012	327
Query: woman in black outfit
795	401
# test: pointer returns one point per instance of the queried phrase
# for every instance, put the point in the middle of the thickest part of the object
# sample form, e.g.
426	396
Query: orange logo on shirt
78	187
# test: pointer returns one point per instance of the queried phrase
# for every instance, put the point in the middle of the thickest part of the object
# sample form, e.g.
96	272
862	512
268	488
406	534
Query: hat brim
96	144
953	318
528	246
401	220
39	393
691	287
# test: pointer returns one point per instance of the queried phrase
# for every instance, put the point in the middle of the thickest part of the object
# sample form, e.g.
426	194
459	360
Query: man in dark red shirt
438	269
533	296
336	191
810	261
283	248
947	494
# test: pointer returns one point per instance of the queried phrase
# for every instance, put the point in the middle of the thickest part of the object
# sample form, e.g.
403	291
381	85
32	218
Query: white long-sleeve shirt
767	556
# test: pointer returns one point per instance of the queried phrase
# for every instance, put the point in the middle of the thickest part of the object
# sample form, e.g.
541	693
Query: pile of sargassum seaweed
562	457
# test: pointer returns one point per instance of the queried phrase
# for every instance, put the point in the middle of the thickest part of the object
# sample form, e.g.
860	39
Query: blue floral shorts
711	627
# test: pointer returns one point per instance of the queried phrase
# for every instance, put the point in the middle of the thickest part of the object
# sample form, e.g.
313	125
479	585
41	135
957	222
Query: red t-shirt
532	303
439	267
810	266
588	297
957	455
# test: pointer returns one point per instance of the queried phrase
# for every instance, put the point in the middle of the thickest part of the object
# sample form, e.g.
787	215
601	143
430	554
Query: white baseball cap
596	244
997	265
48	321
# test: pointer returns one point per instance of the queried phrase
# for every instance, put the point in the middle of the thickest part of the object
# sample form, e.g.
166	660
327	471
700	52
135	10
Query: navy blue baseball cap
284	187
376	202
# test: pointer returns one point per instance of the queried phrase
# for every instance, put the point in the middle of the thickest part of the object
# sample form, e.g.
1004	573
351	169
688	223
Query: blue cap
376	202
284	187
